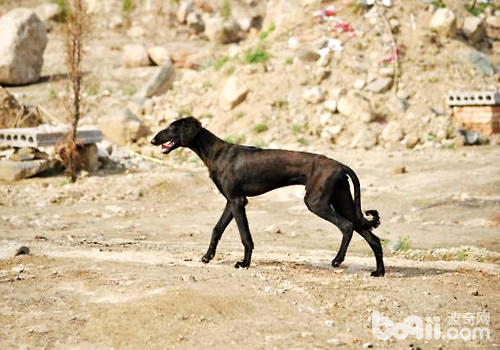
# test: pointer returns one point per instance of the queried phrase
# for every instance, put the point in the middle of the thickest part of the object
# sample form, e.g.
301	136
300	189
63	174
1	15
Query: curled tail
365	223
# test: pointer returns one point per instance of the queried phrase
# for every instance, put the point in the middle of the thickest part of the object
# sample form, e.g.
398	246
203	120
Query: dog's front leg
238	210
219	228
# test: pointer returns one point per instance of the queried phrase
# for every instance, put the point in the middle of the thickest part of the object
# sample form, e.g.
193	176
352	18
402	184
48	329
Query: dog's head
180	133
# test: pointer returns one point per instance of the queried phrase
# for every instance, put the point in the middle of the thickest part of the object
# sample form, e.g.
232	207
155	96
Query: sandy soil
115	259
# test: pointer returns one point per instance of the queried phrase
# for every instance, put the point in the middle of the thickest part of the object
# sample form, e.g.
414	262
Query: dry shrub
76	30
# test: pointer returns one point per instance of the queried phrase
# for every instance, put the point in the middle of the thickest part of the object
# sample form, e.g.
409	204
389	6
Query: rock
330	105
313	95
354	106
473	28
324	118
233	93
367	345
116	21
22	43
195	22
8	250
468	137
15	170
89	155
335	342
493	27
379	85
399	170
159	55
411	140
122	127
273	229
220	31
135	55
27	153
184	9
392	133
306	55
48	12
394	23
159	83
387	71
136	32
246	17
359	84
330	132
365	138
444	22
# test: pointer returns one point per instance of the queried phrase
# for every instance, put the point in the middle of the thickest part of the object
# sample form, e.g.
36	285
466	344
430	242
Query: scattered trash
293	43
329	45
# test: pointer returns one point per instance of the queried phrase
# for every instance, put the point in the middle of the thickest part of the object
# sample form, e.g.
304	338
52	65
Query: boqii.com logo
465	326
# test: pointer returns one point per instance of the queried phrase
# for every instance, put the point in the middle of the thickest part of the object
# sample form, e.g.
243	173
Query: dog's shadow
355	268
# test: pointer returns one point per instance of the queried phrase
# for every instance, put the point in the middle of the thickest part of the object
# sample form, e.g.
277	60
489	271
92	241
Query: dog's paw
336	263
242	264
206	258
378	273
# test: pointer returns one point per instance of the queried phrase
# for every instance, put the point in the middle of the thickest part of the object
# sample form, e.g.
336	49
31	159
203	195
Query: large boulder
493	27
355	106
23	40
233	93
122	127
444	22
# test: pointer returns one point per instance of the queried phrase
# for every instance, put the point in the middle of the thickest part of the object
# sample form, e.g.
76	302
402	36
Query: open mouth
167	146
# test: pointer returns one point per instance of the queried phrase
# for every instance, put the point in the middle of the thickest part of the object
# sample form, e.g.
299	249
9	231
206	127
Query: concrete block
473	98
45	135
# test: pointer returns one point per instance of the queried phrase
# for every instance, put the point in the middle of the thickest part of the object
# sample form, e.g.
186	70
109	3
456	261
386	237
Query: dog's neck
206	145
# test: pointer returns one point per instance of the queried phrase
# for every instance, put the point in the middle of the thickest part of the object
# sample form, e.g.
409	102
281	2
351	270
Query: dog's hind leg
238	210
217	232
374	243
322	208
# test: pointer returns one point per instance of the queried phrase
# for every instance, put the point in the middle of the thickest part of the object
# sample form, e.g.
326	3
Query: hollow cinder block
473	98
46	135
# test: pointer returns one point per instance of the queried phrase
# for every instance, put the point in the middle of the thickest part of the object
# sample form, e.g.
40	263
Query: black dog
240	171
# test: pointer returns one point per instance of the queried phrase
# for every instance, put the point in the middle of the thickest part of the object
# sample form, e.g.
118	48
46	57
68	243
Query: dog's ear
192	127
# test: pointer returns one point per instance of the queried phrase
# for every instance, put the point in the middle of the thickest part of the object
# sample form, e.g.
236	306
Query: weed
239	115
298	128
52	94
64	10
460	255
229	70
129	90
127	6
258	128
280	104
221	62
438	3
302	141
92	90
265	33
183	111
288	61
402	244
256	55
225	10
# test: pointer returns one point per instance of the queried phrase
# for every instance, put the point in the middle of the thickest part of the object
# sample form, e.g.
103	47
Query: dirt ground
114	260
